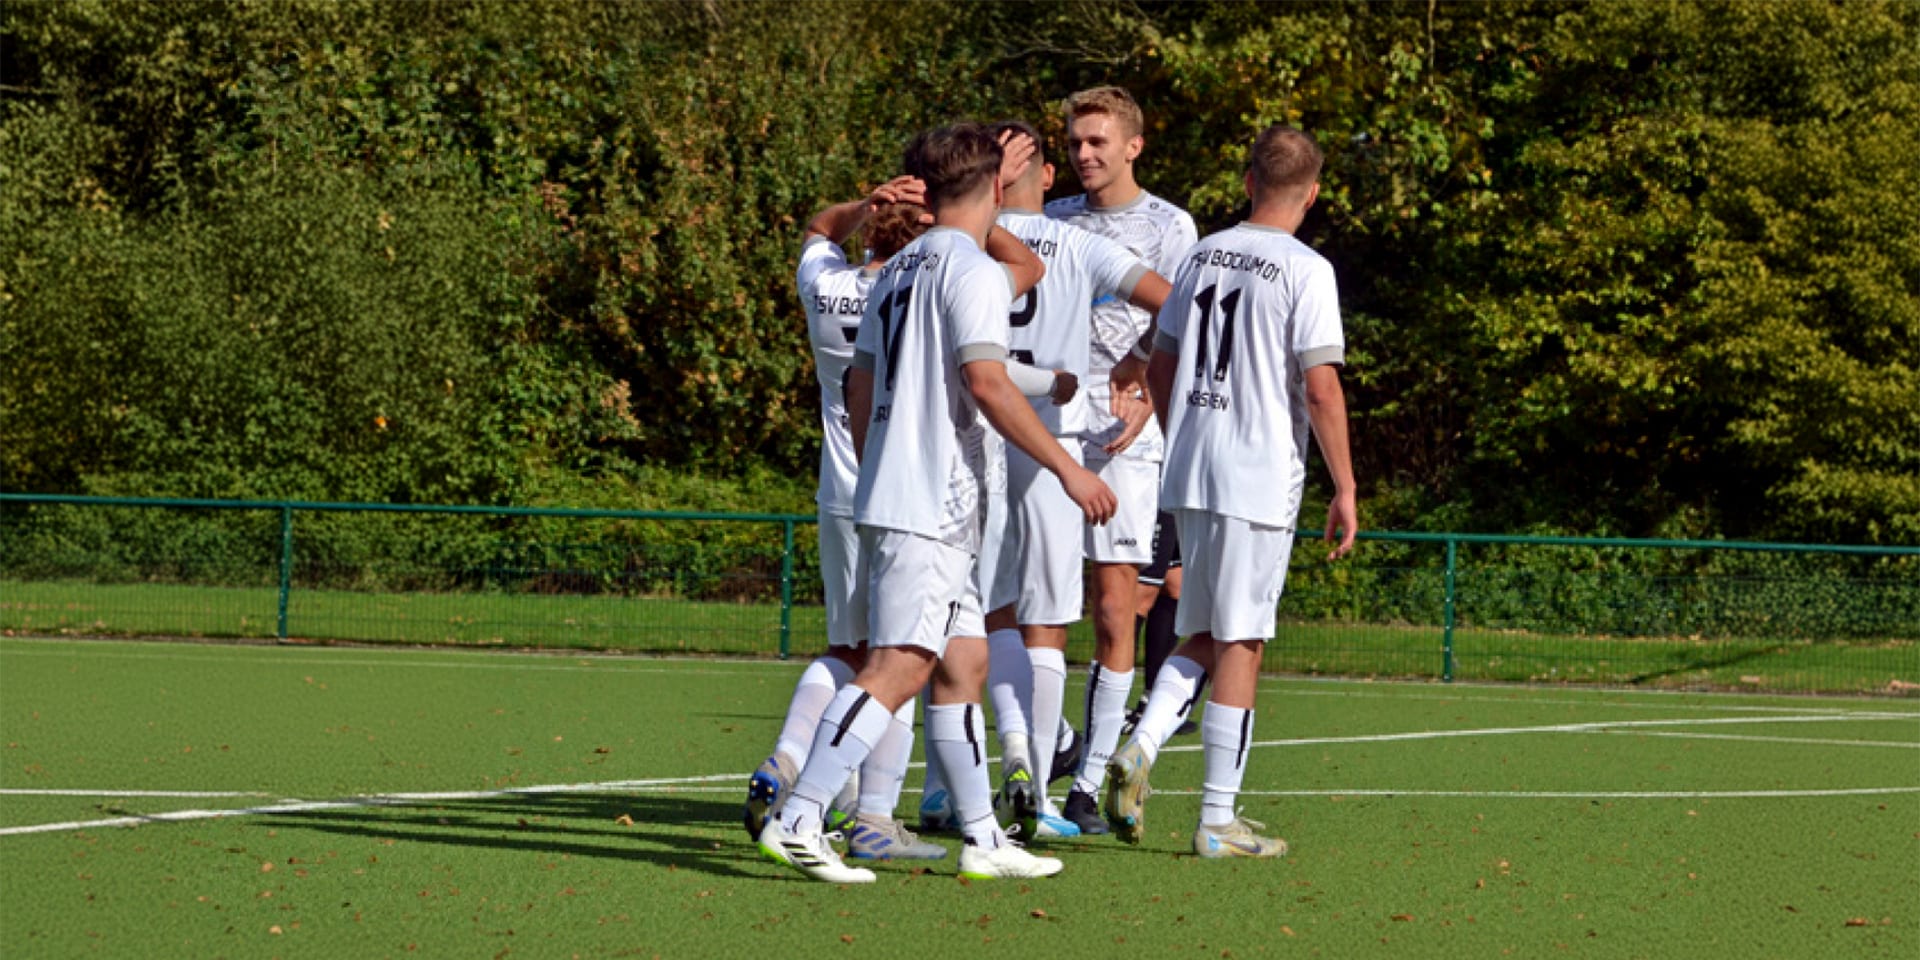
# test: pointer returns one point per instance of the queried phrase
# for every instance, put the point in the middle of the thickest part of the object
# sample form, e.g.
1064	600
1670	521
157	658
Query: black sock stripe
846	719
1093	683
1246	727
967	718
1198	689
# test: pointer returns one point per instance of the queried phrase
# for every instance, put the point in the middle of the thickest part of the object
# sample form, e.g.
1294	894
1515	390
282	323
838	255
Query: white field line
1811	741
700	783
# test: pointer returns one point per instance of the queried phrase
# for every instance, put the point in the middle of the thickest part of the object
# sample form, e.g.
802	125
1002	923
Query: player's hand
1134	409
1065	385
901	189
1090	493
1016	155
1343	524
1128	377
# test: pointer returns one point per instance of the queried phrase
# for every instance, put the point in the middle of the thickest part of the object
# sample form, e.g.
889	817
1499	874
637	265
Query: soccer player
928	362
833	292
1246	358
1157	598
1039	579
1122	445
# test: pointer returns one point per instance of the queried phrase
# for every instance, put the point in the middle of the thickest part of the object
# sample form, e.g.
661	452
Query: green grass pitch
413	802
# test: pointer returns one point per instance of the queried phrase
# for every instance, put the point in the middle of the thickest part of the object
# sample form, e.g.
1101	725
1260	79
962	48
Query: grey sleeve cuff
969	352
1165	341
1322	356
1132	280
863	360
1030	381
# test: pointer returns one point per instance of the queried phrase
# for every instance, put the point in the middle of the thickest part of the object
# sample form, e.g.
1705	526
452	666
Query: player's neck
972	217
1122	191
1023	201
1284	217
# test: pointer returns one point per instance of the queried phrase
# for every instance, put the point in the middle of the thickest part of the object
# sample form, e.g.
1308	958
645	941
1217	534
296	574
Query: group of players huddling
1001	407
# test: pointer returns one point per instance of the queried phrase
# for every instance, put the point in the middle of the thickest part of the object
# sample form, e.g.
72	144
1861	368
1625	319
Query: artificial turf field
416	802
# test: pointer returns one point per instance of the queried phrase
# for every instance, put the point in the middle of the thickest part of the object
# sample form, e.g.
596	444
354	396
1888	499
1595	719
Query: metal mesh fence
1766	617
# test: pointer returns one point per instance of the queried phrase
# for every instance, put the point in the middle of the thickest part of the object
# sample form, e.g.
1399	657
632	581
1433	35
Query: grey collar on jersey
1142	197
1263	228
1021	212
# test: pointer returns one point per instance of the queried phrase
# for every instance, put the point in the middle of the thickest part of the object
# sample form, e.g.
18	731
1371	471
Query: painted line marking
692	784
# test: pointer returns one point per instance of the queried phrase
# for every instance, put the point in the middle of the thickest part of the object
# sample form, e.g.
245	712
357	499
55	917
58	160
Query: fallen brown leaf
623	820
1856	921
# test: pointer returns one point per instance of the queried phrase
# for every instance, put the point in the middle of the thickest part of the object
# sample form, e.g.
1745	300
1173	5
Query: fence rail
1765	616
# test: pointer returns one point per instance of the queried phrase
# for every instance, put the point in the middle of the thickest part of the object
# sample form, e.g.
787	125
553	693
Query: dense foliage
1607	268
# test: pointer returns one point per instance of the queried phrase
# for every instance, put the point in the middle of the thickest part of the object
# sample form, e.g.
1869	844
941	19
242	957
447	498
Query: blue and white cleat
884	838
767	787
936	813
1055	827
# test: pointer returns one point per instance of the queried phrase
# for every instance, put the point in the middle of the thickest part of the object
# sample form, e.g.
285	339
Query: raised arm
839	221
1327	411
1026	266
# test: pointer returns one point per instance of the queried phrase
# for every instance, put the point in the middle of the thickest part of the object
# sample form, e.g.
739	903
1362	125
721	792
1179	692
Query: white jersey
938	304
1051	327
834	293
1252	309
1158	233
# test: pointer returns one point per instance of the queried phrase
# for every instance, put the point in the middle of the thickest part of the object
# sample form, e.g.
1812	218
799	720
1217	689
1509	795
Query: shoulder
1067	206
1166	212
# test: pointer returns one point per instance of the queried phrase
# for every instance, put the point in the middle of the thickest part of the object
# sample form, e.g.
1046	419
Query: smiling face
1102	151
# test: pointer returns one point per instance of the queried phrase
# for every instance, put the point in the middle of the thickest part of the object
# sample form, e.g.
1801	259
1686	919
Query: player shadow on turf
1706	662
686	833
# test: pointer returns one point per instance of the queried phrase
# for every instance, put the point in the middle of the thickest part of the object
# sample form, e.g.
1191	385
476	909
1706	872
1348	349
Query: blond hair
1112	101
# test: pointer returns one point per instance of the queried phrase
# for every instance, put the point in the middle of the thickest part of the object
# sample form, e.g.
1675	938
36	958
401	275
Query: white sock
818	683
852	724
1174	693
1224	735
1066	729
1107	692
958	733
932	780
1049	690
1009	683
882	776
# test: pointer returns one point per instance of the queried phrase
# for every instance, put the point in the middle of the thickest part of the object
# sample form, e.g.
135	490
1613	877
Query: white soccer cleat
1055	827
1127	792
1237	839
1008	861
808	853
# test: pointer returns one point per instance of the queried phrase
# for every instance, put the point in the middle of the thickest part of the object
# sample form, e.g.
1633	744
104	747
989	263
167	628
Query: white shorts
1044	557
917	589
841	572
994	576
1128	537
1235	571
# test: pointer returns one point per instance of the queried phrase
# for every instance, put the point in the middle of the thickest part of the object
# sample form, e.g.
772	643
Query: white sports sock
818	683
1174	692
1009	683
933	779
1049	690
1107	692
1066	729
852	724
958	733
1224	735
885	771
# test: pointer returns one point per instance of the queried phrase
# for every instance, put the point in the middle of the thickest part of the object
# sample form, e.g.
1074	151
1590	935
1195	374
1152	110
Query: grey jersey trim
1163	340
1323	356
971	352
863	360
1132	280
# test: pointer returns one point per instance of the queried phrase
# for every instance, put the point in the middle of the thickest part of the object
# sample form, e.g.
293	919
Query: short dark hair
892	227
953	161
1284	159
1002	128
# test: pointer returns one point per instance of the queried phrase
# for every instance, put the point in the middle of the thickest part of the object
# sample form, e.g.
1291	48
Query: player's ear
1313	193
1246	181
1135	144
1046	177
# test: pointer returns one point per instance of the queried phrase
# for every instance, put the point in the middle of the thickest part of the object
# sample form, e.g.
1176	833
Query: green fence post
1446	636
286	563
786	587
